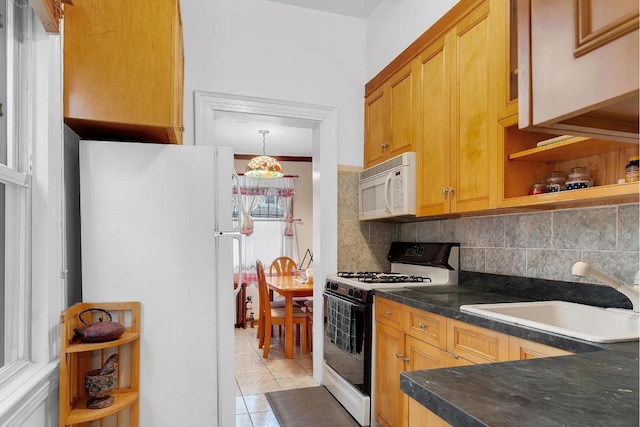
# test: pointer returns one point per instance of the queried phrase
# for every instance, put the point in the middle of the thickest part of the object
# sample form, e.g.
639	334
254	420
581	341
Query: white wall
270	50
395	24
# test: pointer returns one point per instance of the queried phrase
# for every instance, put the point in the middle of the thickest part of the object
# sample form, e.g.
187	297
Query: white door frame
323	121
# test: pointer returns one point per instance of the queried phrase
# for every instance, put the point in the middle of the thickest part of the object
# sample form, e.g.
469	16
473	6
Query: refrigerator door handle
237	236
226	233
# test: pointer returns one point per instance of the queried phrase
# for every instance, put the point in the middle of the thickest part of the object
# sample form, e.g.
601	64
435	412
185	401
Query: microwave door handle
386	191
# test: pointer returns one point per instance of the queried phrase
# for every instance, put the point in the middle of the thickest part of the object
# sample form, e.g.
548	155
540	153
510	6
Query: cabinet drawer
521	349
476	344
389	313
428	327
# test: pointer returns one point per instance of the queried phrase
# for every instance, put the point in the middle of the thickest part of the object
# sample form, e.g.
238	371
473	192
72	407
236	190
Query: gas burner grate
356	274
394	278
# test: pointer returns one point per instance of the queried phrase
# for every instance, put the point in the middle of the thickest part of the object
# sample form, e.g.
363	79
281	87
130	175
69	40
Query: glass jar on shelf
579	177
537	188
556	181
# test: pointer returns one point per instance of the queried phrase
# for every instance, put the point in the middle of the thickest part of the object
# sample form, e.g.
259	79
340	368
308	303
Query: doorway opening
322	121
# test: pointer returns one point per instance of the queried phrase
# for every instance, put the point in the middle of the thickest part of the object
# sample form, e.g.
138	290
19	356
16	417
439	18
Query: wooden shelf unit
77	358
523	163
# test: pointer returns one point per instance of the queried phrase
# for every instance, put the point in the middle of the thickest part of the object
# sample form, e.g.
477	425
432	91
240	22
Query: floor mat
308	407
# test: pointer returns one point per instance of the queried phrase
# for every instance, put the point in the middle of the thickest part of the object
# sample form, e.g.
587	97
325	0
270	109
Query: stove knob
334	286
351	290
358	293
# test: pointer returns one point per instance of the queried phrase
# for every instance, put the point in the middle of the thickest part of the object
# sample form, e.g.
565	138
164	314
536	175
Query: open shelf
80	414
524	163
569	149
87	346
617	193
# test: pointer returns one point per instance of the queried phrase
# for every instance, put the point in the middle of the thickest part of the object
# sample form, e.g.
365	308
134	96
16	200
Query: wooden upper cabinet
505	26
123	70
578	67
389	118
457	148
473	109
433	143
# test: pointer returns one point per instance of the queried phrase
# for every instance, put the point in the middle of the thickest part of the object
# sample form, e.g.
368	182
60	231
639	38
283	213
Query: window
15	210
32	243
271	207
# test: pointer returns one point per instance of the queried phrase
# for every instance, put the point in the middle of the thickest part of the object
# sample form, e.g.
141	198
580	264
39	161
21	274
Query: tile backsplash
541	245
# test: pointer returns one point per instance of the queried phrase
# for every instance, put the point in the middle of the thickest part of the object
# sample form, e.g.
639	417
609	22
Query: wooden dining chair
275	316
286	266
283	266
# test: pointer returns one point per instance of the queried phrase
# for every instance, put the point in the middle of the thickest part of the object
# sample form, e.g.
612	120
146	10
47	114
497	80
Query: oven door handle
359	306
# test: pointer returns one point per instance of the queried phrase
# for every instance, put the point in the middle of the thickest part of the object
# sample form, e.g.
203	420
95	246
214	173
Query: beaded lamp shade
264	166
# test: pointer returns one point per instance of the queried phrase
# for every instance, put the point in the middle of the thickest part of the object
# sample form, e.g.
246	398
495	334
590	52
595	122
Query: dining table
289	287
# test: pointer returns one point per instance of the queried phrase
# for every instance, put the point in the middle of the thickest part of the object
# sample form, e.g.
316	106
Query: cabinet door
521	349
505	25
402	111
473	114
389	364
425	356
419	416
375	126
433	132
177	121
122	78
590	57
419	355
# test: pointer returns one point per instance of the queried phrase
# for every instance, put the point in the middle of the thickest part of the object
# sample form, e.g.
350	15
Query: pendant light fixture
264	166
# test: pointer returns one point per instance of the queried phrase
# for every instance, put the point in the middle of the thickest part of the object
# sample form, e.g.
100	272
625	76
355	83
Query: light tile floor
255	376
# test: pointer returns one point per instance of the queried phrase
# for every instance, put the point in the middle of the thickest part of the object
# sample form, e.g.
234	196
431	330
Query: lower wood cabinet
422	417
408	339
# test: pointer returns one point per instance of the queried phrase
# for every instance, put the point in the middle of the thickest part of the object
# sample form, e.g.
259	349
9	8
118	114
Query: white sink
580	321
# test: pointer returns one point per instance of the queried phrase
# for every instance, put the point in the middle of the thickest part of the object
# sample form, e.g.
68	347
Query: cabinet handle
181	128
405	359
421	325
385	145
399	355
451	190
455	356
387	313
445	190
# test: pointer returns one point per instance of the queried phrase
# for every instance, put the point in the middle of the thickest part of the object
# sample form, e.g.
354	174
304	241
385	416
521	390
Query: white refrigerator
157	228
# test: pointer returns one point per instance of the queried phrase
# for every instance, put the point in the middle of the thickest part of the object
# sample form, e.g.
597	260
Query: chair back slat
283	266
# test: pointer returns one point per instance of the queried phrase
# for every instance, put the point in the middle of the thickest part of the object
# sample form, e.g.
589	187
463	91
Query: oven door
347	340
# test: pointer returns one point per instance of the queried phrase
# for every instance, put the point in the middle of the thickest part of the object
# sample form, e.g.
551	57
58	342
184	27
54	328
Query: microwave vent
394	163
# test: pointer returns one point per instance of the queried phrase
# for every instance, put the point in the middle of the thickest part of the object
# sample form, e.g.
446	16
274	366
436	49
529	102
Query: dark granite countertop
598	386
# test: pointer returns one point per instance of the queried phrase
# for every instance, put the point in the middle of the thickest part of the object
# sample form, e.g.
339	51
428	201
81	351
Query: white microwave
388	189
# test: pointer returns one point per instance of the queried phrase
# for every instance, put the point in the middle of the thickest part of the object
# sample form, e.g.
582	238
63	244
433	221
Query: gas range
412	264
349	301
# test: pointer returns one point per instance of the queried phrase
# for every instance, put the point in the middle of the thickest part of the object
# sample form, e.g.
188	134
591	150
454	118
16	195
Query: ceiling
356	8
286	137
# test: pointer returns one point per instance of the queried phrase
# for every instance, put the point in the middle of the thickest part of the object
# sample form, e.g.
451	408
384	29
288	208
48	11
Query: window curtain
246	198
289	235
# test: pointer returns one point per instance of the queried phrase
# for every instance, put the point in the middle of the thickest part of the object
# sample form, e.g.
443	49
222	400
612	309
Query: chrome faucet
630	291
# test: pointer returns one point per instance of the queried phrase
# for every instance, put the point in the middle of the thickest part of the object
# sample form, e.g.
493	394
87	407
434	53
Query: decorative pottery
99	331
99	383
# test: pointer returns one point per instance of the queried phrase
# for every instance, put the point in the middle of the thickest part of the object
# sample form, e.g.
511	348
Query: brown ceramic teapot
99	331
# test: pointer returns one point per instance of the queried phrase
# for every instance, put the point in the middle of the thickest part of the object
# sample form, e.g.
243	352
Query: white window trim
33	380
